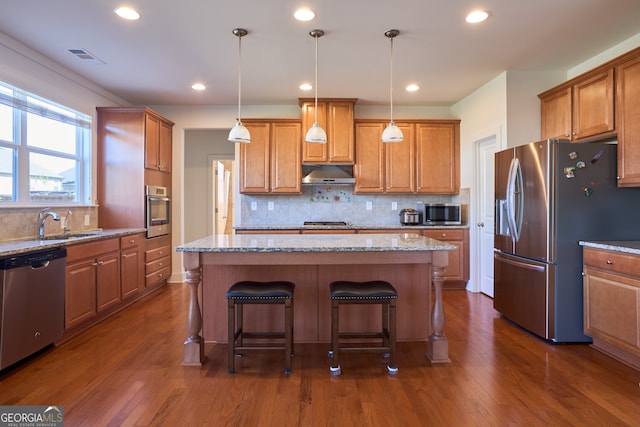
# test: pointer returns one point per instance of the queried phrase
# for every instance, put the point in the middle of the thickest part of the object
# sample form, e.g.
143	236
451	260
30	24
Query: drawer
618	262
440	234
157	276
158	264
131	240
91	250
154	254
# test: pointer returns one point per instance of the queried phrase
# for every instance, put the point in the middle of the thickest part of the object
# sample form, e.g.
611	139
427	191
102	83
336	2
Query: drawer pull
609	262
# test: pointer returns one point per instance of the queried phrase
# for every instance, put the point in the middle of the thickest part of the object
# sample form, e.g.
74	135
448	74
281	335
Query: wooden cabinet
628	121
92	280
580	109
158	138
612	303
271	162
131	265
427	161
457	271
336	116
133	150
157	259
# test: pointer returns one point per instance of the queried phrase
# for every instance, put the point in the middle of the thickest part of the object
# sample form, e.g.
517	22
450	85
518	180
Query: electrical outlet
270	206
394	206
369	205
254	206
87	220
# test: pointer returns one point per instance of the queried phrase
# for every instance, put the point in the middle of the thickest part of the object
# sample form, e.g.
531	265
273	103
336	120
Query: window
44	151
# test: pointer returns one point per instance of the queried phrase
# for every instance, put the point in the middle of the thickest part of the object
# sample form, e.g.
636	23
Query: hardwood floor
126	371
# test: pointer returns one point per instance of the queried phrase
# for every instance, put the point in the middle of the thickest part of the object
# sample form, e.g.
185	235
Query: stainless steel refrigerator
549	195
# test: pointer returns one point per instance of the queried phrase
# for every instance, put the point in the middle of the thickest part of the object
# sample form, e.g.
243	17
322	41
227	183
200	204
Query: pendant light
392	133
315	134
239	133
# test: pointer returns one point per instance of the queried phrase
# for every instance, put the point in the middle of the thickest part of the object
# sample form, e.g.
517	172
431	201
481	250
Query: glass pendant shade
392	133
316	135
239	133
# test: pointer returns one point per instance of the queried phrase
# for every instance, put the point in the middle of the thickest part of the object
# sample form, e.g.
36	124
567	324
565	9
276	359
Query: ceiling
154	61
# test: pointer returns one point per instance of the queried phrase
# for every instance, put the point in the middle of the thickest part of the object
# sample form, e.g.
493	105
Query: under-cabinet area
612	298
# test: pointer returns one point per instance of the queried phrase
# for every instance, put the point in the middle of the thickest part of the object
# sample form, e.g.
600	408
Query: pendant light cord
391	82
316	84
239	75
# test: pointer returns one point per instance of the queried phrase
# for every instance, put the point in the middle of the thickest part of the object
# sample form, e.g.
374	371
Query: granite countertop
314	243
628	246
16	247
345	227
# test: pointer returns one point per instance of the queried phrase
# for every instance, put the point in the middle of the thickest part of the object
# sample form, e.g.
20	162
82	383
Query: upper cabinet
628	121
133	150
603	103
271	162
157	143
427	161
580	109
336	118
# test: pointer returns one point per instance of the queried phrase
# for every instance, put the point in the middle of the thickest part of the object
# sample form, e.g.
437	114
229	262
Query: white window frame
23	103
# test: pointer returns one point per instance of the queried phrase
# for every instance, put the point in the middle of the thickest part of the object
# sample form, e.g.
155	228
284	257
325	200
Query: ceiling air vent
86	56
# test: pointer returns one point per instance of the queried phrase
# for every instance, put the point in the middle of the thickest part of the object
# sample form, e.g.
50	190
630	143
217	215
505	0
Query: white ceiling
155	60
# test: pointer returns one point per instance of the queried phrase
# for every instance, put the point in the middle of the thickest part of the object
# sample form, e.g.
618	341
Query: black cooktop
334	223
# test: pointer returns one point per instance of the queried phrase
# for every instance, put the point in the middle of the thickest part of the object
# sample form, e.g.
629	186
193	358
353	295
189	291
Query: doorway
221	206
484	150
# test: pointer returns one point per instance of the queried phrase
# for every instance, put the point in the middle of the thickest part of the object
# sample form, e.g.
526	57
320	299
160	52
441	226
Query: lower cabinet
611	292
157	259
102	277
457	271
92	280
131	265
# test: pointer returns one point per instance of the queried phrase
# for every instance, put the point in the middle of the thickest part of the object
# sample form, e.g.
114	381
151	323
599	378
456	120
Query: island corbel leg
194	344
438	345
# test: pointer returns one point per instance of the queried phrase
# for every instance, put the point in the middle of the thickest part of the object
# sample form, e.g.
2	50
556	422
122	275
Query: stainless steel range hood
328	175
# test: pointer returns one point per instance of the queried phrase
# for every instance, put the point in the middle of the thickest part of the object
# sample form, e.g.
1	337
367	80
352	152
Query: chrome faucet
42	217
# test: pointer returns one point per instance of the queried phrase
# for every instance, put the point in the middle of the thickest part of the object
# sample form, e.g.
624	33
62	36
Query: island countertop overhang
235	243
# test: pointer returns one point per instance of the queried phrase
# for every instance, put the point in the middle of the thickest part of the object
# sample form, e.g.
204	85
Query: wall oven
158	216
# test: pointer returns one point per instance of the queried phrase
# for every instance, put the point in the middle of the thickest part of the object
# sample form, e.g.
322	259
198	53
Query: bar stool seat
253	292
370	292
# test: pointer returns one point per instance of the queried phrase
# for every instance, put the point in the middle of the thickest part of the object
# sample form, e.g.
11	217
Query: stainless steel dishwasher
32	302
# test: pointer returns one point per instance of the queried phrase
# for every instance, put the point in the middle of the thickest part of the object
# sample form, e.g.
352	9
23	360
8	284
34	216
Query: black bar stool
250	292
371	292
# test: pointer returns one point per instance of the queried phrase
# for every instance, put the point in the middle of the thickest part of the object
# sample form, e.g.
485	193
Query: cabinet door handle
609	262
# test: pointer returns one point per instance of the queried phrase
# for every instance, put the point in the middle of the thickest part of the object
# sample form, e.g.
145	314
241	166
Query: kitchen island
409	261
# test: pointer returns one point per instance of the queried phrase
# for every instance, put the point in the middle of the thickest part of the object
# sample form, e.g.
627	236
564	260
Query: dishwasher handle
40	265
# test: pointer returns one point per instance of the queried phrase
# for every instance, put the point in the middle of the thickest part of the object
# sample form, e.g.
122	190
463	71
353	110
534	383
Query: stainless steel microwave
441	214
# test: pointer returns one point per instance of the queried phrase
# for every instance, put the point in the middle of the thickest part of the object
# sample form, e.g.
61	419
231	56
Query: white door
222	200
484	218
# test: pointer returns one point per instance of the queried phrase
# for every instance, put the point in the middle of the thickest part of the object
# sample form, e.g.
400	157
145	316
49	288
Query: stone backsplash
22	223
337	203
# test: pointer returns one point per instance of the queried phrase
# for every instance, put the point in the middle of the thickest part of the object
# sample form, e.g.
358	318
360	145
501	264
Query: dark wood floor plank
126	372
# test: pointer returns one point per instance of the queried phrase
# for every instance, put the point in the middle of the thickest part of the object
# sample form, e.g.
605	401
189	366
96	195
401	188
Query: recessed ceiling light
127	13
477	16
306	86
304	14
198	86
412	87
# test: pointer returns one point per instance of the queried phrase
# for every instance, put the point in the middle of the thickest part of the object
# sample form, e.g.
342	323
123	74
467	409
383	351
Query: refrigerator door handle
514	199
520	264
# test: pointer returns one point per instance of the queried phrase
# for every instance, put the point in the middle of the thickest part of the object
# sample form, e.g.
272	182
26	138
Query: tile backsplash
22	223
337	203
